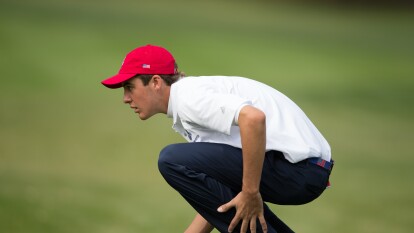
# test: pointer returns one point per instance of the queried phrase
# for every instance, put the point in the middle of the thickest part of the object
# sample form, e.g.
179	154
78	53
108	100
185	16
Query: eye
128	87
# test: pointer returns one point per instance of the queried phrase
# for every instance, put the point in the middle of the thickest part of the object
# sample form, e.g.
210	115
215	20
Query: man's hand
249	208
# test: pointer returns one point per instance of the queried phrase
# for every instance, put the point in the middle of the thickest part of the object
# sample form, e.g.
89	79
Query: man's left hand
249	208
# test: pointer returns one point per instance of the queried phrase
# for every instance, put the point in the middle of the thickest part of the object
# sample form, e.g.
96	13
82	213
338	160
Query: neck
165	99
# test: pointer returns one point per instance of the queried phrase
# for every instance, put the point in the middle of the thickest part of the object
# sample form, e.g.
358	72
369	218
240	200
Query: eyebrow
127	83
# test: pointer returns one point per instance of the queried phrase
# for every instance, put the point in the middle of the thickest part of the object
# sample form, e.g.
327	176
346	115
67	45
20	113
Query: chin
143	116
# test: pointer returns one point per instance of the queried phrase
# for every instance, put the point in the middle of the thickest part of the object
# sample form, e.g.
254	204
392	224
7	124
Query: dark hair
168	78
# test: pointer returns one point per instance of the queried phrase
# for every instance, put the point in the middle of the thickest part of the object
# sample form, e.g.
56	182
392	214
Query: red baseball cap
148	59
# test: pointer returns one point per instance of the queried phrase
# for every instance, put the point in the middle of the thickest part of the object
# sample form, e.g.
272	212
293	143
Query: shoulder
194	84
212	81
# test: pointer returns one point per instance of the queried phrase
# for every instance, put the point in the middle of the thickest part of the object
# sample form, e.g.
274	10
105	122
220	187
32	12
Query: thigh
219	161
282	182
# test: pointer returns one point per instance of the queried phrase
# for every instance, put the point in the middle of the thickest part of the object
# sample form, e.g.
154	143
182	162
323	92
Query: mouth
136	110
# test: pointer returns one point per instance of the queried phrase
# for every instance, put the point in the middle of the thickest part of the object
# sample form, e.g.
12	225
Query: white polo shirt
206	108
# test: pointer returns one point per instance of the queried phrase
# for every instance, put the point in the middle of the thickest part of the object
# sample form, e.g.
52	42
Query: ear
156	82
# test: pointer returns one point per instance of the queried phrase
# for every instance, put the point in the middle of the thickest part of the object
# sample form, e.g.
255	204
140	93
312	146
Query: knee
166	159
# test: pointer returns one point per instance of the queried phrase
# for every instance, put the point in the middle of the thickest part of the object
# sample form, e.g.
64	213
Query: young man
250	144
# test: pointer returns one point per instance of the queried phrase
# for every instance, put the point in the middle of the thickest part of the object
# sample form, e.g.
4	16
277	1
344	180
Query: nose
127	98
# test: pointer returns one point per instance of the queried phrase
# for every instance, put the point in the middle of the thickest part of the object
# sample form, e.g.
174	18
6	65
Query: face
142	99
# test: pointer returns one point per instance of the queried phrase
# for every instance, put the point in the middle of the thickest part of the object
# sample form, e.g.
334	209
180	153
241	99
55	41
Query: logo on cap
146	66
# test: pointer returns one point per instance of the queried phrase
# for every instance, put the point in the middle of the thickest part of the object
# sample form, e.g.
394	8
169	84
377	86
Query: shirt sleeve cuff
236	116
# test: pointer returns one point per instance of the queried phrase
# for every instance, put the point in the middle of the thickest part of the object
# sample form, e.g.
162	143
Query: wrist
250	190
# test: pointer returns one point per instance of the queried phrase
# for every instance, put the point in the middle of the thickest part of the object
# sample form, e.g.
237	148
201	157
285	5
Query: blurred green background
73	158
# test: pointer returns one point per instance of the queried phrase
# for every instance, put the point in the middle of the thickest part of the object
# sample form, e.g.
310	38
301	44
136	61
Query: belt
322	163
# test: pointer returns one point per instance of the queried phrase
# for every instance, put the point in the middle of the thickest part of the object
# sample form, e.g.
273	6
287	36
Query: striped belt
322	163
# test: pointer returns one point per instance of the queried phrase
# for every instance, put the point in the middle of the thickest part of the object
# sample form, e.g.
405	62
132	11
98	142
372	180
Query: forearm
199	225
252	123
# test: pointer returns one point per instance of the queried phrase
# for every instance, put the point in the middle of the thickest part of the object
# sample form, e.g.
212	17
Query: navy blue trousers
209	175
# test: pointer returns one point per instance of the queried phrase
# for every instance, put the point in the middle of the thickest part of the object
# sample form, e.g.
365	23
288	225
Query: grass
74	159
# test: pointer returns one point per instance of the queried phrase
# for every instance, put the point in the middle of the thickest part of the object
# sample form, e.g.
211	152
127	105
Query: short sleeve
236	116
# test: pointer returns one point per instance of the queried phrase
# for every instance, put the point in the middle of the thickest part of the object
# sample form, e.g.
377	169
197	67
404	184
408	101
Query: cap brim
117	80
